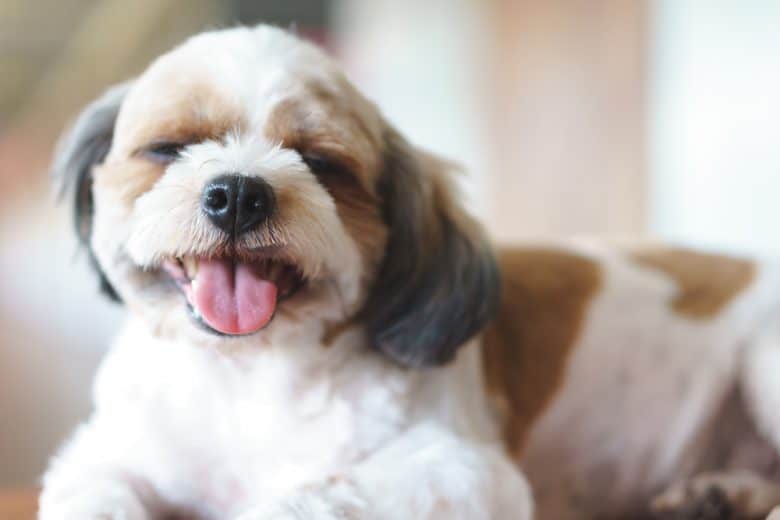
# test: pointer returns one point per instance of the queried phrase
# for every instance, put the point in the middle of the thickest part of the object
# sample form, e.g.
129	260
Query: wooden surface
567	97
18	504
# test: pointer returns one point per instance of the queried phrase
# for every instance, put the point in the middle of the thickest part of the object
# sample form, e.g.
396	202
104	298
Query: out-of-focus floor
18	504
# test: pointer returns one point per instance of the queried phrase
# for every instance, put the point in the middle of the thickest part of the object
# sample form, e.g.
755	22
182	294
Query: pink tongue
232	298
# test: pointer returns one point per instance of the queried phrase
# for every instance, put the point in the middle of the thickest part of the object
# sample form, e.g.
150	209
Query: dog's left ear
80	149
439	281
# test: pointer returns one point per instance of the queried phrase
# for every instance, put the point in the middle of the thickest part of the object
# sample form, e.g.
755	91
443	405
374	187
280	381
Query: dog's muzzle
231	293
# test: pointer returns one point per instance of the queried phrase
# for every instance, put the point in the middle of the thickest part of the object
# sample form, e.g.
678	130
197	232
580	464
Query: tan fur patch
545	296
127	179
319	123
335	329
186	115
360	212
707	283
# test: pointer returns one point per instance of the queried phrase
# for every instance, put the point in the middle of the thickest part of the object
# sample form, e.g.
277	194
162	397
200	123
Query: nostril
216	199
219	202
255	203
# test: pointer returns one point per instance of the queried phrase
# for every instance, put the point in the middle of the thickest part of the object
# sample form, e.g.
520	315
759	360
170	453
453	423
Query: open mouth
232	296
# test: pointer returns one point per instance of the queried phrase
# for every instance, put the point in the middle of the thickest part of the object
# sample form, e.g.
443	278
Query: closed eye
321	165
163	152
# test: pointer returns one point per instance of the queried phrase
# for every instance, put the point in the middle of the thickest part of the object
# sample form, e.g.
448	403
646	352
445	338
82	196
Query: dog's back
613	366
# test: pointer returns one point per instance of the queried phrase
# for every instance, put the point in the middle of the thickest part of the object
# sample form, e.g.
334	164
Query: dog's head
241	185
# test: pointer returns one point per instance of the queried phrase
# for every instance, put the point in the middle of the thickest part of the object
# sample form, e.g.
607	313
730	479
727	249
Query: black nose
237	203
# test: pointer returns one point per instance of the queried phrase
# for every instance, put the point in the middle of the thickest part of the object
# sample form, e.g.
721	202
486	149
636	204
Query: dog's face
242	185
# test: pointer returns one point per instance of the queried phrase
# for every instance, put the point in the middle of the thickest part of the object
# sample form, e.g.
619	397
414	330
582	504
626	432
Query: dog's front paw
305	507
335	501
92	510
711	504
91	506
721	496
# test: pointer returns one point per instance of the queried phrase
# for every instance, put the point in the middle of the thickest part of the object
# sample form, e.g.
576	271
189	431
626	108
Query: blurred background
617	117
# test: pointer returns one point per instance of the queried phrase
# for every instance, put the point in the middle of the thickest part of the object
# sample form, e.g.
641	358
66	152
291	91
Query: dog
318	330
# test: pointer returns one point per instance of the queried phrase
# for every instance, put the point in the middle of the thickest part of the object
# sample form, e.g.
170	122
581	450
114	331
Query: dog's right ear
80	149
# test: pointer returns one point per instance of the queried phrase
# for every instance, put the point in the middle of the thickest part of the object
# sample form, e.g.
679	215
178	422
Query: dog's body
242	178
624	368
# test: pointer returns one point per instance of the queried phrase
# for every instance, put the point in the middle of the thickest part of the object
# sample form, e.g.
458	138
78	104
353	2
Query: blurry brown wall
543	102
568	113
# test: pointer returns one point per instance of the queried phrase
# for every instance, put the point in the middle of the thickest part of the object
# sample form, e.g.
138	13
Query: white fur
761	373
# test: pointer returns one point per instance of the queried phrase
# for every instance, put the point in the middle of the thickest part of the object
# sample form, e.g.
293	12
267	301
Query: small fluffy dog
317	330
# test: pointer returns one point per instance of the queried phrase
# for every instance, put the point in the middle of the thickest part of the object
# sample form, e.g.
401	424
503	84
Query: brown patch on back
545	296
707	283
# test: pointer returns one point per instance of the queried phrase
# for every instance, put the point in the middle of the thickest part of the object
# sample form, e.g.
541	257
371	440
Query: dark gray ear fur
439	281
82	147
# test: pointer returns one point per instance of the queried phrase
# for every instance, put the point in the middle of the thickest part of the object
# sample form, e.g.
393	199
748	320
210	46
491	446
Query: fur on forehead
248	80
